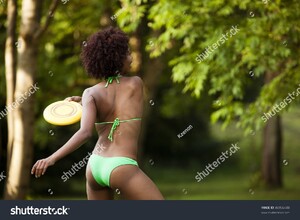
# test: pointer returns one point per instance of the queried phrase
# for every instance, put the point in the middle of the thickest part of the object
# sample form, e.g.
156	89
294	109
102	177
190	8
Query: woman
115	107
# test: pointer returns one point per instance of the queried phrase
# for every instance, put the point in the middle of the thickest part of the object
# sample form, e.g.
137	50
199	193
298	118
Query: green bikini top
117	121
111	79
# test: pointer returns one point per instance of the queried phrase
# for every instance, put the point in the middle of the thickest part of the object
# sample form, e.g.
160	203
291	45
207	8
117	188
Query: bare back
122	100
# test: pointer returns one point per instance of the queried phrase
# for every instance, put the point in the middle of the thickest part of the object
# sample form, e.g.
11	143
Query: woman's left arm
87	124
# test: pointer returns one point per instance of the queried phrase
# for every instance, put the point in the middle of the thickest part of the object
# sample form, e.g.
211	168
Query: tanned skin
100	104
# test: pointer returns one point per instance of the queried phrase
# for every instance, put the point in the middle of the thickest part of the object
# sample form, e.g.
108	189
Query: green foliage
267	42
130	14
60	73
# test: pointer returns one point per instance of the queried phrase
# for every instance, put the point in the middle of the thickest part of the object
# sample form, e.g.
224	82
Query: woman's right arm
87	124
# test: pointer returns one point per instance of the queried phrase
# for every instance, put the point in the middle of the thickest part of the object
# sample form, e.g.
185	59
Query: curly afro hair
105	53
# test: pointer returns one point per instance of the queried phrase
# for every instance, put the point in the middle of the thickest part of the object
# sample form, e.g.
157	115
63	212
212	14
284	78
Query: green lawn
180	184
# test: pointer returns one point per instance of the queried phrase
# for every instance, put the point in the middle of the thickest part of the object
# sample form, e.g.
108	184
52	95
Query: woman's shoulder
136	80
89	90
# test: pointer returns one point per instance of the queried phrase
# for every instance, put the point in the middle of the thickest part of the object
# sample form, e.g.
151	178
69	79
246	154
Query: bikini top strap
111	79
113	128
115	124
111	122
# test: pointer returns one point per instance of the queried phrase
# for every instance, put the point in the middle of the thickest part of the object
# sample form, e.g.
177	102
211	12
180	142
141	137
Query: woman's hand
40	167
74	99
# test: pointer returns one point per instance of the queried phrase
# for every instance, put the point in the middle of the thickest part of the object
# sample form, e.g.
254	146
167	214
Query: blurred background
194	110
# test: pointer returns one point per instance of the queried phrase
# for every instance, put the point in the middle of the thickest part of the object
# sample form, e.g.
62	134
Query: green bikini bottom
102	167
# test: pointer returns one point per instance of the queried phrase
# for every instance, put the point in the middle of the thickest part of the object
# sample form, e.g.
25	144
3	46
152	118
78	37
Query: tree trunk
19	169
272	149
272	175
1	141
153	70
10	73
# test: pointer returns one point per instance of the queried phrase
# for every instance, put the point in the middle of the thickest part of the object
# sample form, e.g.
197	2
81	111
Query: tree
10	65
23	103
265	42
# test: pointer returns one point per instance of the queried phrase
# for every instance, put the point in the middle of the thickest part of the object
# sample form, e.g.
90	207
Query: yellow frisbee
63	113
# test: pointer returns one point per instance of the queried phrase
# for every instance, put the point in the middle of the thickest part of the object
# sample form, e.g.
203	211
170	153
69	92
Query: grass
181	185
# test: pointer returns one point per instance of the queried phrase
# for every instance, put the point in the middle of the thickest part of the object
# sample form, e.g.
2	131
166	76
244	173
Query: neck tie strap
111	79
